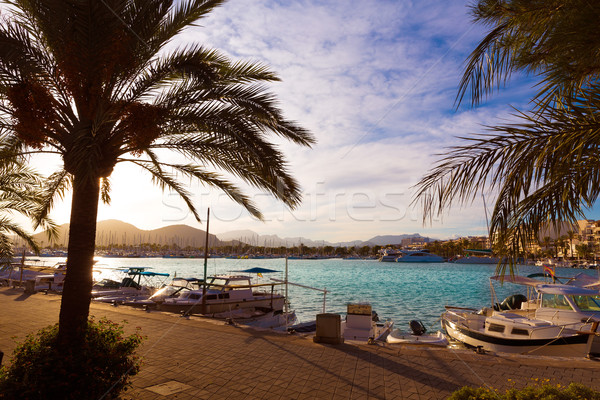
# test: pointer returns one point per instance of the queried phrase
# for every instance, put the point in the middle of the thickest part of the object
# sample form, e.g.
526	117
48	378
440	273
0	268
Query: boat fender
417	327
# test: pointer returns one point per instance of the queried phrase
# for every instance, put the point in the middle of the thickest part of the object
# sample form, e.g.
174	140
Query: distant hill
119	232
253	238
394	239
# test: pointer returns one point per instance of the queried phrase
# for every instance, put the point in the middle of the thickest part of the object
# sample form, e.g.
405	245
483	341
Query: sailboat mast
205	262
487	221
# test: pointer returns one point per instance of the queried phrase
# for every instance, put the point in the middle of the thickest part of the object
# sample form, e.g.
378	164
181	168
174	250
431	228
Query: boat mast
205	262
487	221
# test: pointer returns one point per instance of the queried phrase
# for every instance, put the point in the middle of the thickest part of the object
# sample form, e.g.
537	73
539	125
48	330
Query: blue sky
375	81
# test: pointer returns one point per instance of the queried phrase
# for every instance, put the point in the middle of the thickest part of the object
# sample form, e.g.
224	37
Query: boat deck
197	359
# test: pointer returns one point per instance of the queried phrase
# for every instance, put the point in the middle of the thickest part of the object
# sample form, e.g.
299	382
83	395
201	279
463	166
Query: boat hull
574	345
212	307
407	259
477	260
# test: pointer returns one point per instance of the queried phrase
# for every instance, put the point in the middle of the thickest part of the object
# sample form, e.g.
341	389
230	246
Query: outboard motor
417	327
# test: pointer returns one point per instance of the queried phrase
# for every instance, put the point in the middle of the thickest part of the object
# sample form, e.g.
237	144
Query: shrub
99	370
545	392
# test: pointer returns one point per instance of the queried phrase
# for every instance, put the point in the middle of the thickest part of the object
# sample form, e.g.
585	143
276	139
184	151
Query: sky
375	82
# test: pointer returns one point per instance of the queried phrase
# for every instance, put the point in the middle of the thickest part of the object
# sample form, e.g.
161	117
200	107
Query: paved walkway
197	359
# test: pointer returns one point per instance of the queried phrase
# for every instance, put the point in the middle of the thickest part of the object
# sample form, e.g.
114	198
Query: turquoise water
400	292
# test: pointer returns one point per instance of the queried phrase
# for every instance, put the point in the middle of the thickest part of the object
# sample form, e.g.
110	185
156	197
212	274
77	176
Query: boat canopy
517	279
257	270
567	290
148	273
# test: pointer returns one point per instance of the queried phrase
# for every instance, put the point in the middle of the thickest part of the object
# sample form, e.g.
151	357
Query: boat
555	320
34	274
389	255
362	324
137	284
419	256
477	256
417	335
223	294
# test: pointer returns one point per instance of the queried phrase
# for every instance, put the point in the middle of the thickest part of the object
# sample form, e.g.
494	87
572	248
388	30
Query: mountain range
253	238
119	232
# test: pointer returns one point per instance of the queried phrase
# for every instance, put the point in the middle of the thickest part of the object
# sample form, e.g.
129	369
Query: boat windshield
216	284
555	301
587	303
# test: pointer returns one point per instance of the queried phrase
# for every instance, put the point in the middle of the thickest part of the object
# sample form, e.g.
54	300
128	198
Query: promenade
198	359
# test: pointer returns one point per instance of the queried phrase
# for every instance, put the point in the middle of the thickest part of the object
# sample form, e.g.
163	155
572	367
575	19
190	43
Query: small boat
419	256
362	324
417	335
558	320
477	256
137	284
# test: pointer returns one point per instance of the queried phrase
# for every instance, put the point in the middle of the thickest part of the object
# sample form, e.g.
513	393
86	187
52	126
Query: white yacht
389	255
557	320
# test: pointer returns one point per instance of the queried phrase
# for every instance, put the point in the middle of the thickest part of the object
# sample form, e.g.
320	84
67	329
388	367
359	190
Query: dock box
329	329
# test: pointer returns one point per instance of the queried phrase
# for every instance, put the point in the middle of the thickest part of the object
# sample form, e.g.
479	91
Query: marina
397	291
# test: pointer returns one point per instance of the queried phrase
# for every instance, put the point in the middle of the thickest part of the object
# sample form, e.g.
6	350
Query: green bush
544	392
100	370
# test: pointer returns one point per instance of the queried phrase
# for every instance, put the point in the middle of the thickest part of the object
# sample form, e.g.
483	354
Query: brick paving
198	359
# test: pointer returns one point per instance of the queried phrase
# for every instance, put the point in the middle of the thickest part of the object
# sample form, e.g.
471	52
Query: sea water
397	291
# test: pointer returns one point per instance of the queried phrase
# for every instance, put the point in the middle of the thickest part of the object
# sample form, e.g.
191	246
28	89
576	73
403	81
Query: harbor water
397	291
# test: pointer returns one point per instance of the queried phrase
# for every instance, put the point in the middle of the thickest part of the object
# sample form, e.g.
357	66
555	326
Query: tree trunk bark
76	297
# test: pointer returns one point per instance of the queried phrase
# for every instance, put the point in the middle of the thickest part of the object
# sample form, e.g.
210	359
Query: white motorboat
44	277
419	256
557	320
362	324
223	294
137	284
417	335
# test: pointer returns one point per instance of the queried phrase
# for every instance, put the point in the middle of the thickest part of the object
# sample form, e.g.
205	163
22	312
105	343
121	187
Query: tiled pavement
196	359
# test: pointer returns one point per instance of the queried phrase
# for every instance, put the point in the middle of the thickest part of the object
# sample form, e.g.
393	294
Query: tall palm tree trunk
77	289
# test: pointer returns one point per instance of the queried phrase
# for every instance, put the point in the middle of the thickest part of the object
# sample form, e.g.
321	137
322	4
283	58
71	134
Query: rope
550	342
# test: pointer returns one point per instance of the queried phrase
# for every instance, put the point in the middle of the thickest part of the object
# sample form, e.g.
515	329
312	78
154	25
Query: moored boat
558	320
136	284
362	324
224	293
389	255
417	335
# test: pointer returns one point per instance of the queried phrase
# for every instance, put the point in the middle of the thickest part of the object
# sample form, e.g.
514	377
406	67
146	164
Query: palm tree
544	168
20	194
99	83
